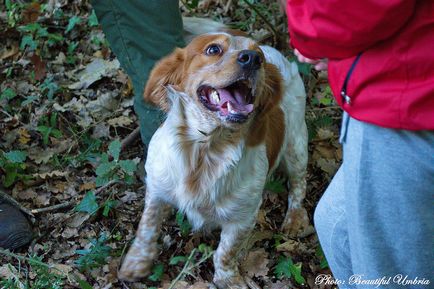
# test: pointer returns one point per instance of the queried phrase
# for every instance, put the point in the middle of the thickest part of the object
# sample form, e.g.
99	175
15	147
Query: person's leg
331	226
389	193
140	33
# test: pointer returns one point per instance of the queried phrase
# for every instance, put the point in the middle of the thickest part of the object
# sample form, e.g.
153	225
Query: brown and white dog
235	113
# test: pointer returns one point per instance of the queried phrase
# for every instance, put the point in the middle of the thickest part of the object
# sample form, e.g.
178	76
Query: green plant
48	128
92	20
74	20
70	55
13	166
286	268
8	94
36	36
13	12
197	256
275	184
88	204
49	88
95	256
116	169
182	222
45	275
320	254
157	272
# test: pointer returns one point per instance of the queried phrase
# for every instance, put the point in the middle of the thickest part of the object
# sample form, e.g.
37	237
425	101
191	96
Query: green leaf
275	185
45	131
10	177
83	284
101	180
177	259
56	133
184	225
157	272
286	268
304	68
95	256
16	157
88	204
104	168
320	254
283	267
128	166
296	272
29	99
204	248
8	94
49	87
115	149
93	20
27	40
71	47
72	22
108	205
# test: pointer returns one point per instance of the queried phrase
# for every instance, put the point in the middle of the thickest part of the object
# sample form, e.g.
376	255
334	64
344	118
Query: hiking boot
15	230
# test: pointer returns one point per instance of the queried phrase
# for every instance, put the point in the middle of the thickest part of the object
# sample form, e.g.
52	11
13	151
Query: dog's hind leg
294	164
139	259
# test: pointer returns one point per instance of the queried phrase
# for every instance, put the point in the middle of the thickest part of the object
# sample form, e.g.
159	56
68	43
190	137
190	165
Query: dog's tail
194	26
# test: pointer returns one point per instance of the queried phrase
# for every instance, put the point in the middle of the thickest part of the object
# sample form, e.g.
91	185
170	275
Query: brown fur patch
168	71
269	124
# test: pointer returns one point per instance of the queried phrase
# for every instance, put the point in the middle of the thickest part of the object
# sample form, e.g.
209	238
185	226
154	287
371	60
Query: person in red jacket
375	221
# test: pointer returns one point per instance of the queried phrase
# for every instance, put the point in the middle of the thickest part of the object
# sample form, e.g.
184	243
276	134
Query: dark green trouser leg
140	32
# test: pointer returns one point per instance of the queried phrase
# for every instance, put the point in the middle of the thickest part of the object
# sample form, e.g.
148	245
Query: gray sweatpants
376	219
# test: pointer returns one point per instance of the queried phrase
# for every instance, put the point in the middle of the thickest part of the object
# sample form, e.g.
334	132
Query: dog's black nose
249	59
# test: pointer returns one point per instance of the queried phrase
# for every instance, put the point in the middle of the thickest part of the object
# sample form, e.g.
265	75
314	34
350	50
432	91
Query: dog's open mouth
234	101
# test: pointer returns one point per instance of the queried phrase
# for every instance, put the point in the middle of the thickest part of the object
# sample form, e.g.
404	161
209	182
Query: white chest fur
231	191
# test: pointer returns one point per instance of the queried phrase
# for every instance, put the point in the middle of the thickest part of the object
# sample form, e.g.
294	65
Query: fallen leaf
24	136
94	71
87	186
255	264
120	121
51	174
40	67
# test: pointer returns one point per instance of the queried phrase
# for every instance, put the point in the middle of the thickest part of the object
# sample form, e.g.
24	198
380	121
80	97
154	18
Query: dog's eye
213	49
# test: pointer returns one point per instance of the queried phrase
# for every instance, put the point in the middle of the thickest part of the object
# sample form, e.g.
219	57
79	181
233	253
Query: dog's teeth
230	109
215	96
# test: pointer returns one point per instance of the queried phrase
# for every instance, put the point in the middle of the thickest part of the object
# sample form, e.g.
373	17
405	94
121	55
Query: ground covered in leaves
69	156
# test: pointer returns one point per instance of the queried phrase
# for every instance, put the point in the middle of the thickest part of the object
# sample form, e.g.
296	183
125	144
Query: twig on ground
273	30
252	284
130	138
15	203
69	203
190	266
53	208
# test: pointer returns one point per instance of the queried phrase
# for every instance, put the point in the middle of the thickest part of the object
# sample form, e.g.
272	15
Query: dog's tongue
237	100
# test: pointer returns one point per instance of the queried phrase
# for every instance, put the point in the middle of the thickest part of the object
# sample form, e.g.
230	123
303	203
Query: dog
235	114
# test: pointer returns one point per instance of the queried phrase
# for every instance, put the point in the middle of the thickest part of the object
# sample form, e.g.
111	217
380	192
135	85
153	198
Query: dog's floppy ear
168	71
272	93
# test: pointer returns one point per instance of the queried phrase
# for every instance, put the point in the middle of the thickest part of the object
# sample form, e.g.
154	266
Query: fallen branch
15	203
273	30
53	208
130	138
70	203
252	284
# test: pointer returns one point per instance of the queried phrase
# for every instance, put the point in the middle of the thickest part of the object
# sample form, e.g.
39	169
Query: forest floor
69	157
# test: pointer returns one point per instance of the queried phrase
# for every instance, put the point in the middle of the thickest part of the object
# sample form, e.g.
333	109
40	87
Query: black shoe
15	230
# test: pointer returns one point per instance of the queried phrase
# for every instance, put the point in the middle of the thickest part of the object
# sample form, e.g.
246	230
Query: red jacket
391	83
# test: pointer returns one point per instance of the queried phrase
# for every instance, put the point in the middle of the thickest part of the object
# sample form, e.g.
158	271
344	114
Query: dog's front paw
134	268
296	223
233	282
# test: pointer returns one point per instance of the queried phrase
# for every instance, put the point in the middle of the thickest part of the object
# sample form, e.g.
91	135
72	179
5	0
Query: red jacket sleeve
342	28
